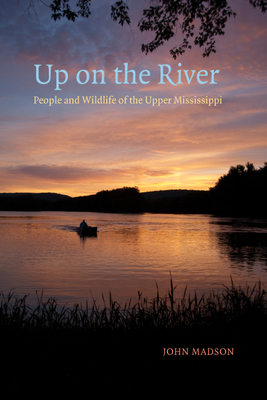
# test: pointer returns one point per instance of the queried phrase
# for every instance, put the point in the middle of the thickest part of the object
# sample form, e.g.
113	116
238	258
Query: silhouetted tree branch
200	21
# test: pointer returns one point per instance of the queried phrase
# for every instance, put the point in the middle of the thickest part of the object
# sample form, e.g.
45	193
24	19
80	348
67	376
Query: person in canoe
83	224
85	230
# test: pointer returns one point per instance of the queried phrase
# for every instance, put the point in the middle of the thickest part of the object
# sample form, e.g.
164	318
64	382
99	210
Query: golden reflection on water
43	252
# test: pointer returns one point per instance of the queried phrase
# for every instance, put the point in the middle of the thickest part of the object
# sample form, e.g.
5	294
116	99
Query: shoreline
67	347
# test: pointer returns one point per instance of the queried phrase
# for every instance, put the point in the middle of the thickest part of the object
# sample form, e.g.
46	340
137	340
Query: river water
42	252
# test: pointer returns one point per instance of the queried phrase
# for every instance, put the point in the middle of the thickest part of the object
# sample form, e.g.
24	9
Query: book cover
148	120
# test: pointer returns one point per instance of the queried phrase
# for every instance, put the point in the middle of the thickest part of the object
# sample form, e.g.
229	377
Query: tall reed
233	303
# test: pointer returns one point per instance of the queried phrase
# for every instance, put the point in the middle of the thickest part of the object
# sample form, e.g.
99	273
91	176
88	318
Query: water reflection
84	237
244	242
131	253
241	223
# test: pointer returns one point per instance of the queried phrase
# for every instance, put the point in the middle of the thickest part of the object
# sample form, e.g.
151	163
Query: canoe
87	231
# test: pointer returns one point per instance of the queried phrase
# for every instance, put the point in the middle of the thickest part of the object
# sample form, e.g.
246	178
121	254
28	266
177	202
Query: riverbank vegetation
239	193
102	346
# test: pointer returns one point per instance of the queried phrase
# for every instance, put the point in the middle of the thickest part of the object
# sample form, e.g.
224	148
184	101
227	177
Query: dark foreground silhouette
148	345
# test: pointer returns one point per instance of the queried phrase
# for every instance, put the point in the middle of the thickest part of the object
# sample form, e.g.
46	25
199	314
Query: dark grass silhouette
68	349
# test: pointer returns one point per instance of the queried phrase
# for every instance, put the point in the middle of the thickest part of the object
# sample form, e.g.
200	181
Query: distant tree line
193	202
239	193
23	202
124	200
242	192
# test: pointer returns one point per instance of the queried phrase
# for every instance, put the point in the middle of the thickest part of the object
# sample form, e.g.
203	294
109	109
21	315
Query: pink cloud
90	148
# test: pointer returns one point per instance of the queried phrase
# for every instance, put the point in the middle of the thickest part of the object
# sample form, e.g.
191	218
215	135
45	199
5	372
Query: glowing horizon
80	149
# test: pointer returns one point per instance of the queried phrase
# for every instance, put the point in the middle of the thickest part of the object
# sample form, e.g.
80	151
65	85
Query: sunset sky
80	149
